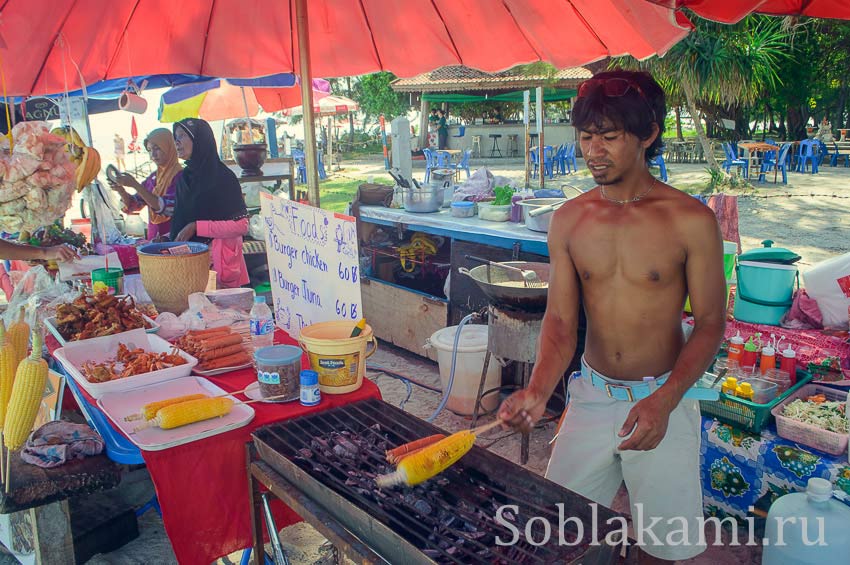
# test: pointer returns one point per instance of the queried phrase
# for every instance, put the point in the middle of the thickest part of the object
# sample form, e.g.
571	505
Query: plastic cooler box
764	293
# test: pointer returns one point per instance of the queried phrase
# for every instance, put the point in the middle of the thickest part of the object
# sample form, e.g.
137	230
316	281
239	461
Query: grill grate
450	519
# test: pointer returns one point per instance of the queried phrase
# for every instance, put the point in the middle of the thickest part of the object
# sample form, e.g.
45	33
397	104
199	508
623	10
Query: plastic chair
780	162
659	162
808	155
463	165
300	164
118	447
320	165
444	159
548	161
570	158
560	159
836	155
461	131
733	161
430	162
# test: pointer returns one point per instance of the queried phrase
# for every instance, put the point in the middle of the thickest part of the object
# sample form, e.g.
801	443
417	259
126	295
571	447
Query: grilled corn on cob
19	334
430	461
27	392
184	413
149	410
8	366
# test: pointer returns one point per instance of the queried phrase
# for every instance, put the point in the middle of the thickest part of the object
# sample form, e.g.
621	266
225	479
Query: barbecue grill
333	456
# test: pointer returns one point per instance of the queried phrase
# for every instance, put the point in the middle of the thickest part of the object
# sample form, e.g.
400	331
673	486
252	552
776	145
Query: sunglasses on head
614	87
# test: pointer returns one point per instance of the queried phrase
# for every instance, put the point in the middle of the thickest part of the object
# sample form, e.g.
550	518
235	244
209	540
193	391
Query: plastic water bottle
807	528
262	324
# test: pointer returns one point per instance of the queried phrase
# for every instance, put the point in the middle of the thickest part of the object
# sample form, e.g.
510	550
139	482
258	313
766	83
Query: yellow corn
184	413
149	410
19	334
8	366
27	392
431	461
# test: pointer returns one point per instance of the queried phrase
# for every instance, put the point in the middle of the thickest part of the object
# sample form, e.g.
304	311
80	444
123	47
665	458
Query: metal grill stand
512	336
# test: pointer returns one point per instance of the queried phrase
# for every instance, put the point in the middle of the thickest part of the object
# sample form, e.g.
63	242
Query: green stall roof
549	95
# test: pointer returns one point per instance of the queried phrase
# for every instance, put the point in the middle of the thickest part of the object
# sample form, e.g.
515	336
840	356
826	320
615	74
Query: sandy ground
810	215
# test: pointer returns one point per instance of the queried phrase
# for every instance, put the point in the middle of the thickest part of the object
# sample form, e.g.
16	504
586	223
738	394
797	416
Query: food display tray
74	354
119	405
50	324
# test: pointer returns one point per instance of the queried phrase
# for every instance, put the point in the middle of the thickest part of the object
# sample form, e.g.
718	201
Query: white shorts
665	482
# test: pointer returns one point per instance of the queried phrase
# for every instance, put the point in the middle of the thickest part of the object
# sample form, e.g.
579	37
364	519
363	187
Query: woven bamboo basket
170	279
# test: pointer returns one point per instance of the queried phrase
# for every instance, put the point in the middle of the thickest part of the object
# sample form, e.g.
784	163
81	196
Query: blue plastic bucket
765	291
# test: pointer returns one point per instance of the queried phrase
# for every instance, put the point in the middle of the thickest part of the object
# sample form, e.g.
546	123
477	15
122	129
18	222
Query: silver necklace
628	200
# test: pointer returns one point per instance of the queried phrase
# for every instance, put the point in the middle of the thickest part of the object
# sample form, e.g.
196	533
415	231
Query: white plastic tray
221	371
51	327
74	354
117	406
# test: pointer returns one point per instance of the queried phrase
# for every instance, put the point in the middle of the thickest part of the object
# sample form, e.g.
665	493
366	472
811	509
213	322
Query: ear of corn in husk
19	335
430	461
149	410
189	412
27	392
8	367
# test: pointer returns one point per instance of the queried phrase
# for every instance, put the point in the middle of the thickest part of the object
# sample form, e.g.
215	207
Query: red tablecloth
202	486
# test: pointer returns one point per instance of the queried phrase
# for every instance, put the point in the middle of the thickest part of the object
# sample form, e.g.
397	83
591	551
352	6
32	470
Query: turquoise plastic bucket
764	291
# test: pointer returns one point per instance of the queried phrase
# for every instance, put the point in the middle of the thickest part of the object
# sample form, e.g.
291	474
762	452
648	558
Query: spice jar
278	372
310	393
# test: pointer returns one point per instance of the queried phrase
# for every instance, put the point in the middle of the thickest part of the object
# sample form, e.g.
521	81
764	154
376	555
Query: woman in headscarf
210	207
158	190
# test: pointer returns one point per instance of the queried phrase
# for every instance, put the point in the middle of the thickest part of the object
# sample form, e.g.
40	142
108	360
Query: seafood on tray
129	362
96	315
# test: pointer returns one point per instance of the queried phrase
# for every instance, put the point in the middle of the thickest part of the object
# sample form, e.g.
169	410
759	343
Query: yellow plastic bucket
340	360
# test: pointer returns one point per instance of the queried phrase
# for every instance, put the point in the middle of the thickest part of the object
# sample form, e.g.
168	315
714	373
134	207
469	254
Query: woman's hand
187	233
62	253
125	179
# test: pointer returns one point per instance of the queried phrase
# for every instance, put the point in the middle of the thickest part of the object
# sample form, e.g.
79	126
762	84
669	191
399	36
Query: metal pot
426	199
532	299
539	221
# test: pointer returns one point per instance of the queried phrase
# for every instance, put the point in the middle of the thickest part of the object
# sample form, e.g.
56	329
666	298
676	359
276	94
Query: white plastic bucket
471	350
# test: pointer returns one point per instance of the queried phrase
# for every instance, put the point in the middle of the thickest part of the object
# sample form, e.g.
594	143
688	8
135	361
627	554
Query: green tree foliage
375	96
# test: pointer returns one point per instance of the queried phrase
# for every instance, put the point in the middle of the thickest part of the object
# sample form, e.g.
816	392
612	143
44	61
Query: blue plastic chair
430	162
300	164
461	131
118	447
808	155
548	161
463	165
444	159
570	158
733	161
320	165
835	155
659	162
560	159
770	163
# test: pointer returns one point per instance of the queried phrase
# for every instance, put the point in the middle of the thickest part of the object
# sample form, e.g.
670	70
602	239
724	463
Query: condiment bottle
788	363
729	386
745	391
768	356
310	393
736	348
751	354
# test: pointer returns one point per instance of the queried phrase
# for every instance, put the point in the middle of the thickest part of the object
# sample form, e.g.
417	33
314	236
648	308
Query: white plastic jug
807	528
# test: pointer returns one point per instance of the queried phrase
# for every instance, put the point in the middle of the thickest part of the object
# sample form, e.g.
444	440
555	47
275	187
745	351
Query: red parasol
731	11
134	134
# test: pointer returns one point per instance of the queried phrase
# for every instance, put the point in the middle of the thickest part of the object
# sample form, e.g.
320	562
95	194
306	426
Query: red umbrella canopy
49	39
731	11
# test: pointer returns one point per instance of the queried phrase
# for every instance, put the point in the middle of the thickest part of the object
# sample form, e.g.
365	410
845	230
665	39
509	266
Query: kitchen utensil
531	299
529	278
545	208
534	219
425	200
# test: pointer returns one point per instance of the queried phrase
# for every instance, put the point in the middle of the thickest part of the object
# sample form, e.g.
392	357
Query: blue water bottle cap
309	378
259	299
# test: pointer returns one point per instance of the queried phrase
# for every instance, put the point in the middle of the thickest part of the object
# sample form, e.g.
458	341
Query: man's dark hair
634	112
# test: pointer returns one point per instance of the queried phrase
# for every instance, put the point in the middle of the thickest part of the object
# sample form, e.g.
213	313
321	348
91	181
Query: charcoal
351	482
422	507
448	520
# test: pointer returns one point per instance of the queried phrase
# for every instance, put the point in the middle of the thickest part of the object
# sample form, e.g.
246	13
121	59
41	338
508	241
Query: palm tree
720	64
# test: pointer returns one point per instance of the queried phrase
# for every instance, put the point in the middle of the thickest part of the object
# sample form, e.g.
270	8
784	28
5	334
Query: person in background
209	207
628	252
11	251
119	152
157	192
433	119
442	130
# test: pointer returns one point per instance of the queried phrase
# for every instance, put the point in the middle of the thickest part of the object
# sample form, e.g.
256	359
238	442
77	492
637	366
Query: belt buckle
628	389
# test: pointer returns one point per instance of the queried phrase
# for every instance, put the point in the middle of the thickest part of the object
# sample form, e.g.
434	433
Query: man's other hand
522	409
648	418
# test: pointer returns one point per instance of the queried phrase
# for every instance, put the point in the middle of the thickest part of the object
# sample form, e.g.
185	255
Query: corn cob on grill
19	334
27	392
189	412
149	410
8	366
430	461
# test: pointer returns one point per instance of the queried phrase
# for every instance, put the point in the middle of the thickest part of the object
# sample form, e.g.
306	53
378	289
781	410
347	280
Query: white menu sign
314	264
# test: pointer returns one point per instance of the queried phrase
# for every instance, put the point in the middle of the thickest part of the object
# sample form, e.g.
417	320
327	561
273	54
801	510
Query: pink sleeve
226	228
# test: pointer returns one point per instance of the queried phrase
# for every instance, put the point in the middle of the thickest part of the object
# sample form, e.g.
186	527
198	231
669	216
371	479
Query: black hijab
207	189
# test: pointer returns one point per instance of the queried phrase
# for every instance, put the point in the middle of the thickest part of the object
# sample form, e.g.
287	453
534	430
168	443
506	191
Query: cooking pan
524	298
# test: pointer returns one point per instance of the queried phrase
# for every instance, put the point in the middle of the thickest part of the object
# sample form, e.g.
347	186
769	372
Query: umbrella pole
247	116
526	109
541	153
330	145
307	102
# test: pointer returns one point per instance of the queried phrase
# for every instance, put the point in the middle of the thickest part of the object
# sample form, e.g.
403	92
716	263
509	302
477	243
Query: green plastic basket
745	414
113	278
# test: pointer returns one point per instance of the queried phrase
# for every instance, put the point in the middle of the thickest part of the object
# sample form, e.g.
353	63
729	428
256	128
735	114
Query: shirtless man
632	249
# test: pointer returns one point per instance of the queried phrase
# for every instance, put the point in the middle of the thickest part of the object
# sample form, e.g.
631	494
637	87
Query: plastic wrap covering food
36	178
